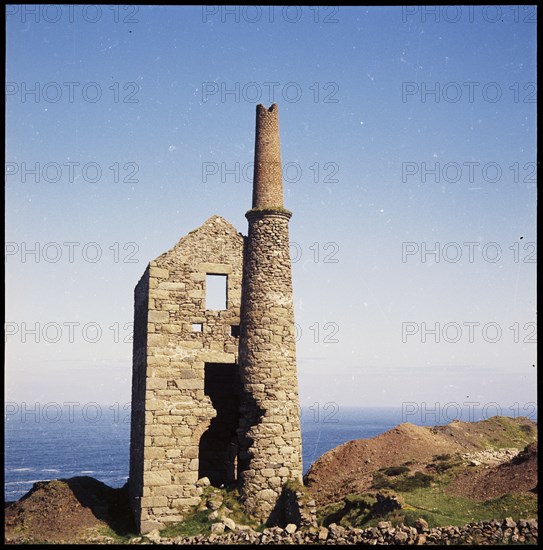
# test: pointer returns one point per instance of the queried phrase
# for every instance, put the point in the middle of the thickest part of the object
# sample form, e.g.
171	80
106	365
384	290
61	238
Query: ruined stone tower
270	450
214	386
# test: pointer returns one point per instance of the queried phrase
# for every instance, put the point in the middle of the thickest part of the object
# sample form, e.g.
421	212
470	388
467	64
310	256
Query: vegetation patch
198	520
196	523
417	481
381	480
395	470
439	508
433	505
442	457
354	511
513	432
443	467
443	463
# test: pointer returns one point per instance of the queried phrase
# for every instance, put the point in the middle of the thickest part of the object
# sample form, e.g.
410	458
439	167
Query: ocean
61	442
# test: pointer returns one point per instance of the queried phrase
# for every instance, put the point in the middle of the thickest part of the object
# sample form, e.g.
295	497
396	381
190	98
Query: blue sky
140	115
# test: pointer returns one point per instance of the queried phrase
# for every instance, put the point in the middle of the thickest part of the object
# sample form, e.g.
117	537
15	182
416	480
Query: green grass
354	511
444	463
511	433
197	522
441	508
381	480
411	483
432	504
232	501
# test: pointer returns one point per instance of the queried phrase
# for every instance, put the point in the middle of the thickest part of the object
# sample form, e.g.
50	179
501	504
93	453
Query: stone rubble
490	457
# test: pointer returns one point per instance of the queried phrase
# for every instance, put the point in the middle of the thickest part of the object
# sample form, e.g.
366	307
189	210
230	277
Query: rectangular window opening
234	331
197	327
216	291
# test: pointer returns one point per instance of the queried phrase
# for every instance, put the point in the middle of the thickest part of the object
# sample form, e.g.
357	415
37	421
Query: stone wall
488	532
179	375
139	379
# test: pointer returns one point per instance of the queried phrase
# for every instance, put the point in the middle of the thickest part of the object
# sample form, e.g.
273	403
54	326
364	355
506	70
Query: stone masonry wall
170	377
270	440
139	361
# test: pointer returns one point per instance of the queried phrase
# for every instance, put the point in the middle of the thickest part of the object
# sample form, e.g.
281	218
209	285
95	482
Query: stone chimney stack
270	443
268	179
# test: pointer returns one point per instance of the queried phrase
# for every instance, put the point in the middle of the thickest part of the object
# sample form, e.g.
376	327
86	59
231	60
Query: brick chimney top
267	179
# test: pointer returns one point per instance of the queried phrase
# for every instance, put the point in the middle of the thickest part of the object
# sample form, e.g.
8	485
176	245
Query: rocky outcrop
491	457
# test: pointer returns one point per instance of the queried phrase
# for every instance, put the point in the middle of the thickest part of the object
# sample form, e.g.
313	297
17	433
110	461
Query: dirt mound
66	510
518	475
349	468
